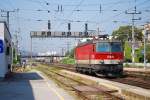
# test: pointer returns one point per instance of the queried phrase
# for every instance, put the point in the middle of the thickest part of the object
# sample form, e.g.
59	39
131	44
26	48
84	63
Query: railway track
81	88
128	78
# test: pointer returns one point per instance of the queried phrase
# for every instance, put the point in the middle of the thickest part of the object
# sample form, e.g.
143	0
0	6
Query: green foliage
15	61
127	65
138	52
16	57
68	60
70	54
148	52
125	32
148	56
128	51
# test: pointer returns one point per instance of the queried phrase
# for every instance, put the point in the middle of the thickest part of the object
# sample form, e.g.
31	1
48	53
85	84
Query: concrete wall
5	59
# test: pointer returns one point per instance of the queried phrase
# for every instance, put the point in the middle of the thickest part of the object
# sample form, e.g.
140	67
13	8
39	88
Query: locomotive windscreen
108	47
116	47
103	47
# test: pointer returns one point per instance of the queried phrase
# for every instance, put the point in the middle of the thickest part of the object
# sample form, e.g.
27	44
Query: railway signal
69	28
86	29
49	25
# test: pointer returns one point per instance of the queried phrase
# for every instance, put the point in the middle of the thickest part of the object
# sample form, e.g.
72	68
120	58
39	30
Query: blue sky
25	20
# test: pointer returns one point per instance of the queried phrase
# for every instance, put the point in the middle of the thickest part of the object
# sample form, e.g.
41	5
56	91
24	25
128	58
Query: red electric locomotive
100	56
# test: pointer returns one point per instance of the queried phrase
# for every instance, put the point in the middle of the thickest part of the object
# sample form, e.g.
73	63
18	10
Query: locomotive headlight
101	61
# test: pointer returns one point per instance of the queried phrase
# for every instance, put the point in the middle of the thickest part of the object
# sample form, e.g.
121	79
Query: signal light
68	33
69	26
49	33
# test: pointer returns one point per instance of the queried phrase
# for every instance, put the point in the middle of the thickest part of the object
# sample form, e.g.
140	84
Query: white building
147	28
148	37
5	50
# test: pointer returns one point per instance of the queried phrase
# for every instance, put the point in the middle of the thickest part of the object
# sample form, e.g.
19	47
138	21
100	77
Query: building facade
5	50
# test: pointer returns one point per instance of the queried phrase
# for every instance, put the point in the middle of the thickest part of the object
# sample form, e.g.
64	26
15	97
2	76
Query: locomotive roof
96	41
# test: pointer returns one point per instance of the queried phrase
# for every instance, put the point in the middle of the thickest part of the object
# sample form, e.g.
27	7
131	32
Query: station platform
127	91
137	69
31	86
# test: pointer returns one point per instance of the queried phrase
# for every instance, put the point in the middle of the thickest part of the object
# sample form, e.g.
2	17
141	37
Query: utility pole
8	15
62	51
145	49
31	52
145	32
133	31
16	44
98	31
68	46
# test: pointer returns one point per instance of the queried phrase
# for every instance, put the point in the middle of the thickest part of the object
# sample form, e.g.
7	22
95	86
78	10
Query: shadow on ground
18	86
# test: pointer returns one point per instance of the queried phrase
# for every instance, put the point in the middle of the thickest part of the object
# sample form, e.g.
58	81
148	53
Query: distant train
99	56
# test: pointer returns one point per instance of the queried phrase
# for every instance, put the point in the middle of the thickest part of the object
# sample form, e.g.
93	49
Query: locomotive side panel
83	53
107	58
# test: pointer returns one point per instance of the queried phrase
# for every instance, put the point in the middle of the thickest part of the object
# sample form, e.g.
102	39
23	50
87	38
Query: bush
127	50
128	60
127	65
148	56
68	60
141	59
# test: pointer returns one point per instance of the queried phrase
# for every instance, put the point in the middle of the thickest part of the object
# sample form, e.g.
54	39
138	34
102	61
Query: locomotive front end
109	57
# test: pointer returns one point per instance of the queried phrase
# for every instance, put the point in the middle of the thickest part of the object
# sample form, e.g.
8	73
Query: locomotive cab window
116	47
108	47
102	47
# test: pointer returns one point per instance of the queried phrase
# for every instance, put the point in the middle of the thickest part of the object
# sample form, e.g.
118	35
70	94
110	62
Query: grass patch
68	60
131	66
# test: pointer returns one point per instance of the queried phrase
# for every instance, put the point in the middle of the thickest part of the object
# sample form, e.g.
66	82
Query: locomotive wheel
77	68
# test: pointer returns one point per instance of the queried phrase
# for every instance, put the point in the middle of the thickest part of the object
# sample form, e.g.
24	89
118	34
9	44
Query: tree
124	33
127	50
71	53
16	57
148	52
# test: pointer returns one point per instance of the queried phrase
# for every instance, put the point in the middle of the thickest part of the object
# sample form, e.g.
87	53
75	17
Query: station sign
1	46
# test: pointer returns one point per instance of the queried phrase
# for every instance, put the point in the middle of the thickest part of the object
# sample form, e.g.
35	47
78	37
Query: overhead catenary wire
69	15
77	10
